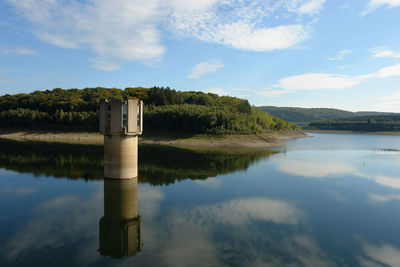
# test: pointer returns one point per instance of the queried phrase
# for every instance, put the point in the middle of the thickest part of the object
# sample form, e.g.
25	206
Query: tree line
304	116
165	110
365	123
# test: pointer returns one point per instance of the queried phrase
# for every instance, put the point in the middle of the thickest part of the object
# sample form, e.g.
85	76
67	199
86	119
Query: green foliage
210	120
59	120
303	116
166	110
366	123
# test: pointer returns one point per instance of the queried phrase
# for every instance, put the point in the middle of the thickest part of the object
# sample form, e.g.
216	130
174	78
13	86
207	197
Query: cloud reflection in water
57	223
216	235
318	169
378	255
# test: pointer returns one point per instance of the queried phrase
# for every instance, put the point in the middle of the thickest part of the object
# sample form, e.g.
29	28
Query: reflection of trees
58	160
172	164
157	164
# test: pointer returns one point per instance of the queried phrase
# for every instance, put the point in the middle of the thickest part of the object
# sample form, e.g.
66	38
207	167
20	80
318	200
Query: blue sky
305	53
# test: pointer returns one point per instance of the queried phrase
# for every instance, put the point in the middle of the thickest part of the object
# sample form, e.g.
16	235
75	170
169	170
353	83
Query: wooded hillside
165	110
303	116
376	123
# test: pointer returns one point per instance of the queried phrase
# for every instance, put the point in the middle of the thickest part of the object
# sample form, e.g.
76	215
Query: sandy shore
267	139
58	137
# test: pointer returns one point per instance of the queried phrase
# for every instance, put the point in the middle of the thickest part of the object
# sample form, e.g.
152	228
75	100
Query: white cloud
387	53
380	52
239	24
394	97
388	3
311	7
319	81
373	4
19	51
115	30
391	71
393	106
193	5
389	103
315	81
242	36
118	31
205	68
340	55
104	65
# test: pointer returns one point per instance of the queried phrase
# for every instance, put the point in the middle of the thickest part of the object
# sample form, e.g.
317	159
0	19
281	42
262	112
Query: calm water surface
332	199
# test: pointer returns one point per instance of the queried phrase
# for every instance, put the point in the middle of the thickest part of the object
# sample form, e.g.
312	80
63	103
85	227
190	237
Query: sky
305	53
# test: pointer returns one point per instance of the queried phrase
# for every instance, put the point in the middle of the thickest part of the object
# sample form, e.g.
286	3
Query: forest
304	116
165	110
375	123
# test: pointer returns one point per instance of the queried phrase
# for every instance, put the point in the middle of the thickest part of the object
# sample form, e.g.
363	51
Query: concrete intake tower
121	122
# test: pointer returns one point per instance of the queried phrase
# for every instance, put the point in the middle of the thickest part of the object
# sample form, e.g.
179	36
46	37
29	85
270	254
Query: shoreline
350	132
264	140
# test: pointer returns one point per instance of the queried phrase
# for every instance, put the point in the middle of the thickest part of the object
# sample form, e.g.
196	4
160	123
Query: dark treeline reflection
158	165
52	159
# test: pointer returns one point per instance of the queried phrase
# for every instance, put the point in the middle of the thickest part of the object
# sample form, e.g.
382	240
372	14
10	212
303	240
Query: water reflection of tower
120	227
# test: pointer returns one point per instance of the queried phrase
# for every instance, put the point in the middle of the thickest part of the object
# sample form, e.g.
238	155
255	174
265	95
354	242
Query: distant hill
375	123
304	116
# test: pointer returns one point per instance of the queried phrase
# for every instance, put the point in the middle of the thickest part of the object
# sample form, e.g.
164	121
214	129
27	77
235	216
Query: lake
327	200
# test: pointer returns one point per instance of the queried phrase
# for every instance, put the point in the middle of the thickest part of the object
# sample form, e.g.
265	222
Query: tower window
124	115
